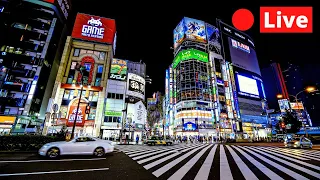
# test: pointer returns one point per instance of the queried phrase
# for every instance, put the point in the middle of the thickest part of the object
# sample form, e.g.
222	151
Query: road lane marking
184	169
52	160
278	166
204	171
224	165
53	172
246	172
302	169
150	165
168	166
258	165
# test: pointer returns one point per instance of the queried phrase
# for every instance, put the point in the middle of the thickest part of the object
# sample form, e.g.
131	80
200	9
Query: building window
112	119
76	52
72	72
99	75
115	96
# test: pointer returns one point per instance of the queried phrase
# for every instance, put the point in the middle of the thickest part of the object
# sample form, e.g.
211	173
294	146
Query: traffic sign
55	108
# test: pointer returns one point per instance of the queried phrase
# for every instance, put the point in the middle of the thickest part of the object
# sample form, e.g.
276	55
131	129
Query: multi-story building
214	83
124	103
91	46
31	34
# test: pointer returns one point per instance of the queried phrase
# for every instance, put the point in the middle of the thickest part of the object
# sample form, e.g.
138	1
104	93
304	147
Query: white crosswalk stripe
201	161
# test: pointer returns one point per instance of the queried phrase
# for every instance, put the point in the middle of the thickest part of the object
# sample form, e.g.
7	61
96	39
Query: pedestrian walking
137	139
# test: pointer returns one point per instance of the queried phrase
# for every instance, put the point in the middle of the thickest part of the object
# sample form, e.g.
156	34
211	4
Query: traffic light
283	125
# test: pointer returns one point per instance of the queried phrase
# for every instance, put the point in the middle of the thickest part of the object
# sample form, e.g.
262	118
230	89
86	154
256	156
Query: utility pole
80	69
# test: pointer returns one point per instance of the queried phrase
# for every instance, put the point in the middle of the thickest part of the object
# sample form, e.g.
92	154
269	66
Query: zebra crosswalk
217	161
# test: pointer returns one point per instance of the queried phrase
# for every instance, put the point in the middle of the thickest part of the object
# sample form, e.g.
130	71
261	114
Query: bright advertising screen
213	37
195	29
178	34
118	70
190	54
135	86
191	29
243	56
248	85
94	28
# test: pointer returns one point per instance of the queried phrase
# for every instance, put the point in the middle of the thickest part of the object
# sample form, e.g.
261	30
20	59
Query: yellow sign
7	119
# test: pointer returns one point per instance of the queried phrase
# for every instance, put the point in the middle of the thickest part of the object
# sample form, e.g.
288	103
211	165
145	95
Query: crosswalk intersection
217	161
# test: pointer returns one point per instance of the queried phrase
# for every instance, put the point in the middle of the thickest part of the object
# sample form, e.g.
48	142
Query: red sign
50	1
286	19
94	28
81	117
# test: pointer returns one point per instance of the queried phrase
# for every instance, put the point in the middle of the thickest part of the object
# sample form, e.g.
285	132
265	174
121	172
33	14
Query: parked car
298	142
77	146
155	140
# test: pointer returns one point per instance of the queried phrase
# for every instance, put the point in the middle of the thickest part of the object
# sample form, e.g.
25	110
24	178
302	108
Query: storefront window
95	96
64	110
92	114
71	72
112	119
66	94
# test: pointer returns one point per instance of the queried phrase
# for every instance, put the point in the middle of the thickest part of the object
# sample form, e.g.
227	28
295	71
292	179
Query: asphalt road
181	161
26	166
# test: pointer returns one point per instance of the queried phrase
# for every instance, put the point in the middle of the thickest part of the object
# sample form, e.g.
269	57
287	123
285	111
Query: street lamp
308	89
80	69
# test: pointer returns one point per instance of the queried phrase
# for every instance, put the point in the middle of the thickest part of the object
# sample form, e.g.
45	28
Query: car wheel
53	153
169	144
301	146
153	144
99	152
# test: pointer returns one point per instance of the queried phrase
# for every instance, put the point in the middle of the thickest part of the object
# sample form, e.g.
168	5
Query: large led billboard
191	29
213	37
118	70
190	54
248	84
135	86
243	56
94	28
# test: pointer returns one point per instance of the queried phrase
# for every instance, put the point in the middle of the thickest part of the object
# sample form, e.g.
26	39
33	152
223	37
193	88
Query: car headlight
296	143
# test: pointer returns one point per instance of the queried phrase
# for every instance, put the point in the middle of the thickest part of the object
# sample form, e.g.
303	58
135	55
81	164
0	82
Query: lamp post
80	69
308	89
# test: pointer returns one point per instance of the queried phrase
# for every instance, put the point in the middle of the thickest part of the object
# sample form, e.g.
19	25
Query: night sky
145	32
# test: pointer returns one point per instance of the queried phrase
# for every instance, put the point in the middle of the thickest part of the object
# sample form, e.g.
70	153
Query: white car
77	146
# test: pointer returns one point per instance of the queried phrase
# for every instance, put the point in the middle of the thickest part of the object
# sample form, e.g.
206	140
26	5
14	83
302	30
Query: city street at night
180	161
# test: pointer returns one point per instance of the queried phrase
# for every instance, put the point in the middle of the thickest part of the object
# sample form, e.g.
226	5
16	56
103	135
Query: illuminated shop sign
241	46
189	124
1	9
135	85
94	28
190	54
113	113
118	70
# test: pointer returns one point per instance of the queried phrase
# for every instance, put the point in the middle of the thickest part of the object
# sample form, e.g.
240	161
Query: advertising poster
296	106
213	37
140	113
243	56
195	30
190	54
118	70
135	86
189	124
178	34
81	117
94	28
284	104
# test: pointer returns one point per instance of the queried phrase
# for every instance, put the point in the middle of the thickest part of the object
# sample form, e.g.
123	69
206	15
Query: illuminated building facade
91	46
206	83
30	51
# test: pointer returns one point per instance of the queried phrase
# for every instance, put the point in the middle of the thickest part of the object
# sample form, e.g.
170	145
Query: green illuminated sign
190	54
113	113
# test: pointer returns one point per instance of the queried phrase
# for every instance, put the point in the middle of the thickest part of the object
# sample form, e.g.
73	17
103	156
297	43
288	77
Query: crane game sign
81	117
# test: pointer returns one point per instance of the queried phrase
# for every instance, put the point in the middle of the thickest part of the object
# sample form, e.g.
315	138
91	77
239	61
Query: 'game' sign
94	28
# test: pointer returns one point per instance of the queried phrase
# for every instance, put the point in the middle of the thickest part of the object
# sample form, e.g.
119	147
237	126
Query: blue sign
189	126
1	9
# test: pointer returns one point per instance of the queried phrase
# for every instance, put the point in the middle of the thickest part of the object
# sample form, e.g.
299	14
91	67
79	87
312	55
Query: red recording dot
242	19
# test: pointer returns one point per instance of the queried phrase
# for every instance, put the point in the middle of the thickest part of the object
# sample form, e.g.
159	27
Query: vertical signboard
167	84
118	70
135	86
171	86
